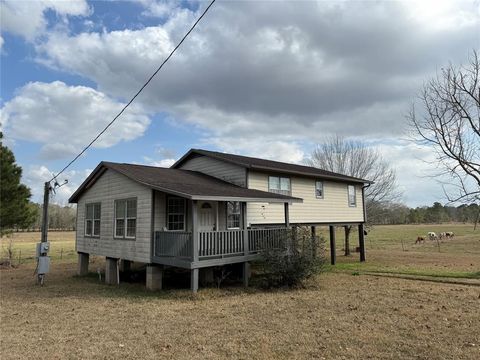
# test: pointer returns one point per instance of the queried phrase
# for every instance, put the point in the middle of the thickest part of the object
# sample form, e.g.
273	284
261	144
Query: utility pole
46	198
43	260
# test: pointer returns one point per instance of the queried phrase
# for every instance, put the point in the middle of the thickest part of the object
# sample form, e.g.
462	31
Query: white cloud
1	43
166	163
27	18
35	176
66	118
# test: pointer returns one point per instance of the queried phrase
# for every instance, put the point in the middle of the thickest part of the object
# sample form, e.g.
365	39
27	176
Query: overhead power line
137	93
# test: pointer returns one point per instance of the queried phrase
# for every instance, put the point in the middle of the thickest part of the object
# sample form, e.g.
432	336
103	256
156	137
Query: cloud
66	118
36	175
302	69
27	18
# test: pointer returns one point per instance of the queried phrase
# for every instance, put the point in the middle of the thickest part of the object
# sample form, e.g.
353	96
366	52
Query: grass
335	316
455	258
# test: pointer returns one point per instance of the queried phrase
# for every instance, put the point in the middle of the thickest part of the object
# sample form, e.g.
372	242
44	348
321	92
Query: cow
420	239
449	234
442	235
432	235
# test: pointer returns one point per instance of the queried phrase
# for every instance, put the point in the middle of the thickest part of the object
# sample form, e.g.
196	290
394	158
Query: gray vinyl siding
220	169
109	187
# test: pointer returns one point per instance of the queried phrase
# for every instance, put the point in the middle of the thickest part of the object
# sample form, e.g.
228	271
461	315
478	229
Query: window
92	219
352	198
319	189
233	215
279	185
126	218
175	213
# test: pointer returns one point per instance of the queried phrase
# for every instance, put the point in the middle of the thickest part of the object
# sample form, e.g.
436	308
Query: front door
206	217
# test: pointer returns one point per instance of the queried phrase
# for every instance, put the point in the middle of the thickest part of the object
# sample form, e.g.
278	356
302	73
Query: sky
260	78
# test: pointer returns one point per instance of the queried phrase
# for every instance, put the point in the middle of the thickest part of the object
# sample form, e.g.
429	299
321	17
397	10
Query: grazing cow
442	235
449	234
432	235
419	240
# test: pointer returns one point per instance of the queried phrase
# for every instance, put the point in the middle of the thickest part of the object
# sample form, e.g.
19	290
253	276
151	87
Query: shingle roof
190	184
271	166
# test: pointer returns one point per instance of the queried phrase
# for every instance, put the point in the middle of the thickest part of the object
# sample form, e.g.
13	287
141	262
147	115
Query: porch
214	248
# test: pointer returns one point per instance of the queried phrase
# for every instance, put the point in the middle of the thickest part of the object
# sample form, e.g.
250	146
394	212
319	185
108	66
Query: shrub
297	262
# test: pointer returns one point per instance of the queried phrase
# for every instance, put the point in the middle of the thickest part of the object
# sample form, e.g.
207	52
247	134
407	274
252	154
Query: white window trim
93	219
279	191
184	213
323	189
239	216
125	219
354	196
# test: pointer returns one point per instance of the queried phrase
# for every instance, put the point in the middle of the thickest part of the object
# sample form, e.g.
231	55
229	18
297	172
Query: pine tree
14	196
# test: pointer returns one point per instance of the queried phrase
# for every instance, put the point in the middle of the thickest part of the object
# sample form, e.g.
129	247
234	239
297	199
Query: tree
355	158
449	124
15	210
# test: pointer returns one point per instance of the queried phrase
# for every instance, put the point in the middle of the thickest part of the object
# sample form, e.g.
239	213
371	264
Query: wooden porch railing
216	244
220	243
269	238
173	244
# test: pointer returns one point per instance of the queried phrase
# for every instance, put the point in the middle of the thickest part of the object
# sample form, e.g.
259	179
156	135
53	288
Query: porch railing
220	243
173	244
214	244
262	239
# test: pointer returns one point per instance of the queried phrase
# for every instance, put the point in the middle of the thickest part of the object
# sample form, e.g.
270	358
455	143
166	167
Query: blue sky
268	79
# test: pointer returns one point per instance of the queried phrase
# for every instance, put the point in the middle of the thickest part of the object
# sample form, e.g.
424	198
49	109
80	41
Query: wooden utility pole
46	197
43	260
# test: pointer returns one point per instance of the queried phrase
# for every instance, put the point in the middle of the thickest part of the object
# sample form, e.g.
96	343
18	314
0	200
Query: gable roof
270	166
185	183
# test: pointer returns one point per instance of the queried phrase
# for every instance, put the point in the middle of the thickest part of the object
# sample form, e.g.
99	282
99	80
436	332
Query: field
352	311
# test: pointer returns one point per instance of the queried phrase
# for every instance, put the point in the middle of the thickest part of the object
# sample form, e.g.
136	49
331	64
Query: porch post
333	256
361	241
194	231
194	272
246	249
194	280
314	242
287	216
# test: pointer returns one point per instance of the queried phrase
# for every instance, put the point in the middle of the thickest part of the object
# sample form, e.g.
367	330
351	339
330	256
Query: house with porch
209	209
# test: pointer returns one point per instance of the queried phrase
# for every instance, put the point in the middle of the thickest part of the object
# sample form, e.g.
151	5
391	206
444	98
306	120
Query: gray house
209	209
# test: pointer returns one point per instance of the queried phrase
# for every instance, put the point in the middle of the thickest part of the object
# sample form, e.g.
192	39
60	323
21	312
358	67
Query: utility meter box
42	248
43	265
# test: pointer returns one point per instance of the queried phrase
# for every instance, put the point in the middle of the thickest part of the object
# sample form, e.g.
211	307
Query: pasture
344	313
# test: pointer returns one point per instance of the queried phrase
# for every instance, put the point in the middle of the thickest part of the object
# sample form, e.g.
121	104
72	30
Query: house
209	209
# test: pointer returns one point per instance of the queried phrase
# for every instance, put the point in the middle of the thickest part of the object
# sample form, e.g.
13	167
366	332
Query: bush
297	262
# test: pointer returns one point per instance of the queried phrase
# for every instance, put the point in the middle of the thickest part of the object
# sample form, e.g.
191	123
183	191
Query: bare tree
449	124
355	158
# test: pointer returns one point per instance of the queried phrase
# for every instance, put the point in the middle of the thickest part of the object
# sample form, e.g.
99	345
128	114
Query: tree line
395	213
59	218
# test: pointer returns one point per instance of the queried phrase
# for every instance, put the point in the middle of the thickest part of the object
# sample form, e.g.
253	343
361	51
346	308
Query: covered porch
200	231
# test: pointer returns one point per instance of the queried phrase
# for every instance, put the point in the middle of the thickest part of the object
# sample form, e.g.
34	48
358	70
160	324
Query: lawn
338	315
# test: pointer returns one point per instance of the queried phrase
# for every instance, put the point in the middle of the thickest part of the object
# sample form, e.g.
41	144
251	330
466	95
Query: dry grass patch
338	316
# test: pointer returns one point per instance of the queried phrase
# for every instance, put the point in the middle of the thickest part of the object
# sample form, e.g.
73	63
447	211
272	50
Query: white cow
432	235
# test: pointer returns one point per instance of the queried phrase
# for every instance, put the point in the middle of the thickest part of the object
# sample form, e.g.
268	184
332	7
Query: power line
137	93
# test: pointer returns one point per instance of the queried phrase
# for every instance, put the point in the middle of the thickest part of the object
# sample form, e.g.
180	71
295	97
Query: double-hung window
176	213
233	215
279	185
92	219
126	218
352	197
319	189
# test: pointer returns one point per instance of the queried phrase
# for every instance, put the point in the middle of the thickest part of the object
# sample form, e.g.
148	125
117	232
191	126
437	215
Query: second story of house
328	197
